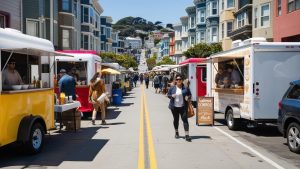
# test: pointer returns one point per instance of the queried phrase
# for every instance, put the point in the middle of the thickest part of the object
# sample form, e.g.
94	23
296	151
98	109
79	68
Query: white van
265	70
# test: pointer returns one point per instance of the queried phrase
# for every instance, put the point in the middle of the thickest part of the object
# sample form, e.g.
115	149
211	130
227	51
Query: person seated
10	76
220	77
234	75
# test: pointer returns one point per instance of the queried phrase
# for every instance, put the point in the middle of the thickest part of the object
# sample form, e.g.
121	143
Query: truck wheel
293	137
232	123
36	139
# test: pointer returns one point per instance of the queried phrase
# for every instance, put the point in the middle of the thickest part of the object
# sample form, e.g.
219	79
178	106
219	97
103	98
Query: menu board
205	111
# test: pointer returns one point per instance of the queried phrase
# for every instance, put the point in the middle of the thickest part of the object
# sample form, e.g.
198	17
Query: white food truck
265	69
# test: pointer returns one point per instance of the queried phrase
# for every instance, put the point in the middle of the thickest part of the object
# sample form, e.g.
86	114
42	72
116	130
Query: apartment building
178	42
242	26
40	19
191	11
91	25
200	21
286	24
227	9
69	24
184	35
11	14
106	34
262	22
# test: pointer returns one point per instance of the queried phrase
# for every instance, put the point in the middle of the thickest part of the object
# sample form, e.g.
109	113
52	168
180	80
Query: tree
166	61
169	25
151	62
124	60
203	50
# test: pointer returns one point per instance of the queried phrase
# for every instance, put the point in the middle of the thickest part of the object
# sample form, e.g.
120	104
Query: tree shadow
59	147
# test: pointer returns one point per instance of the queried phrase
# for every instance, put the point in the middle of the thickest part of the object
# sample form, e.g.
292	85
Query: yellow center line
141	162
152	157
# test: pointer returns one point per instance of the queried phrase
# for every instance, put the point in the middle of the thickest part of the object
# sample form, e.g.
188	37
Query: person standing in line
179	96
147	80
97	88
67	84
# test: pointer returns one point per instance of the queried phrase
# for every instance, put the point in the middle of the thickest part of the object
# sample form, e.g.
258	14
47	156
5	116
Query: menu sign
205	111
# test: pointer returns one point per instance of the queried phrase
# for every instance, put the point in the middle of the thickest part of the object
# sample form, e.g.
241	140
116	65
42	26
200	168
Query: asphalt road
140	134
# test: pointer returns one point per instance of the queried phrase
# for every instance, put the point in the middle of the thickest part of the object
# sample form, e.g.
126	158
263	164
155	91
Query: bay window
66	38
85	14
32	27
265	15
65	5
241	20
214	8
293	5
91	15
230	3
202	36
229	27
202	16
214	34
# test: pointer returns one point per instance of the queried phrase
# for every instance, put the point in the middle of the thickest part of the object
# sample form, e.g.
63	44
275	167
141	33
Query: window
255	17
214	34
192	22
66	38
229	27
208	9
222	5
75	9
65	5
278	7
202	36
203	74
32	28
214	8
230	3
192	40
2	21
293	5
294	93
208	35
85	42
265	15
241	20
91	15
84	14
222	30
202	16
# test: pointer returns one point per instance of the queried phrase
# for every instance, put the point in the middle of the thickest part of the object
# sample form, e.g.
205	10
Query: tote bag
190	112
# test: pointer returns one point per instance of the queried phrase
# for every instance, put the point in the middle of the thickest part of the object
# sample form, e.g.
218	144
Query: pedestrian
67	84
141	78
147	81
97	88
179	96
160	82
135	79
156	83
165	81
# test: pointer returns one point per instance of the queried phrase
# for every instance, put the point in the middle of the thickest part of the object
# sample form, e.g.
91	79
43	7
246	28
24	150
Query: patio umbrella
110	71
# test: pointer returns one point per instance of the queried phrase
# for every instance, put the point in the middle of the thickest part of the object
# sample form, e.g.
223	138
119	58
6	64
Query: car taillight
280	105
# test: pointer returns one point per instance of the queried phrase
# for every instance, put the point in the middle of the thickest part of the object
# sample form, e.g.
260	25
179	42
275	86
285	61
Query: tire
293	137
232	123
36	139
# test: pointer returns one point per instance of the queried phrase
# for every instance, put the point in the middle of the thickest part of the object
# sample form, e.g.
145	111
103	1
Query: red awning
192	60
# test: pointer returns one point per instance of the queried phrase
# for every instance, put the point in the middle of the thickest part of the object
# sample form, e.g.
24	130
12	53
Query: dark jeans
180	111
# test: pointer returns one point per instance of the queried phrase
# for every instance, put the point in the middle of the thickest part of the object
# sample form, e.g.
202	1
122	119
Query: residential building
157	35
191	11
115	41
178	42
40	19
172	44
262	22
90	24
69	24
242	26
286	25
166	45
212	21
121	45
106	34
160	51
200	21
227	9
184	35
11	14
133	43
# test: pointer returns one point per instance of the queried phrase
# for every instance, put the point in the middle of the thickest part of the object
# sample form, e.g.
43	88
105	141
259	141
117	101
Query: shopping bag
101	98
190	112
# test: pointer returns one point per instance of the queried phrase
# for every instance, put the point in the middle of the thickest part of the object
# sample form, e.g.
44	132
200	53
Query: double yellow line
144	118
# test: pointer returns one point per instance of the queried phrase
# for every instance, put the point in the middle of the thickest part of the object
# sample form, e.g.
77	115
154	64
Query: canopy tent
192	60
110	71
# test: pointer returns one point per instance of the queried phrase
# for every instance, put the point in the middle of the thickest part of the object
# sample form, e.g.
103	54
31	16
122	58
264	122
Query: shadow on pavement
116	123
200	137
59	147
124	104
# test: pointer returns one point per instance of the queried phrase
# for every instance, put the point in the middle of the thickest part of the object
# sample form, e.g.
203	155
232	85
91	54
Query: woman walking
147	80
97	88
179	95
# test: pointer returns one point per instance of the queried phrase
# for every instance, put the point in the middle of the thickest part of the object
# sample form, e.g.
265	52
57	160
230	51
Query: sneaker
93	122
177	135
188	138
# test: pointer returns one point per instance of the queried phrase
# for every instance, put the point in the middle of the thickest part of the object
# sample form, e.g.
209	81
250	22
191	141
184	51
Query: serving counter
238	91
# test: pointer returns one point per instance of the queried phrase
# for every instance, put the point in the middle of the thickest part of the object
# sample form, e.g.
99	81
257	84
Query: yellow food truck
26	89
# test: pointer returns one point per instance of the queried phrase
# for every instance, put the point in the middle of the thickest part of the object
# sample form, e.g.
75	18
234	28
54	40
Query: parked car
289	116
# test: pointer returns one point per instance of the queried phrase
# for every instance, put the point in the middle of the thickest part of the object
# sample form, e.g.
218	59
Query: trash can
117	96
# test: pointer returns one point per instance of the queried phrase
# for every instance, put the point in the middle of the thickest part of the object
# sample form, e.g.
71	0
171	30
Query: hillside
129	25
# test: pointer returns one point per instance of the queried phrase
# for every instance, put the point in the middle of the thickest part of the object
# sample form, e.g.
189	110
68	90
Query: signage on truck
205	111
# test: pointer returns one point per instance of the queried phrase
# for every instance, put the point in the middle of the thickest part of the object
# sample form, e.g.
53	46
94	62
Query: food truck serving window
78	70
229	74
21	71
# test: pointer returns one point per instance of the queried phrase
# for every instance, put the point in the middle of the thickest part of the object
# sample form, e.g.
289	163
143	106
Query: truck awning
35	52
221	57
192	60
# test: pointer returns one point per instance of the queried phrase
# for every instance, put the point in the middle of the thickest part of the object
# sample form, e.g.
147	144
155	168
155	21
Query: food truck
26	105
195	70
82	67
265	70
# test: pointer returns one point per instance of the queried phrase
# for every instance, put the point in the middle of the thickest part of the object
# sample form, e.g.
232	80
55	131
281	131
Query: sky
166	11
